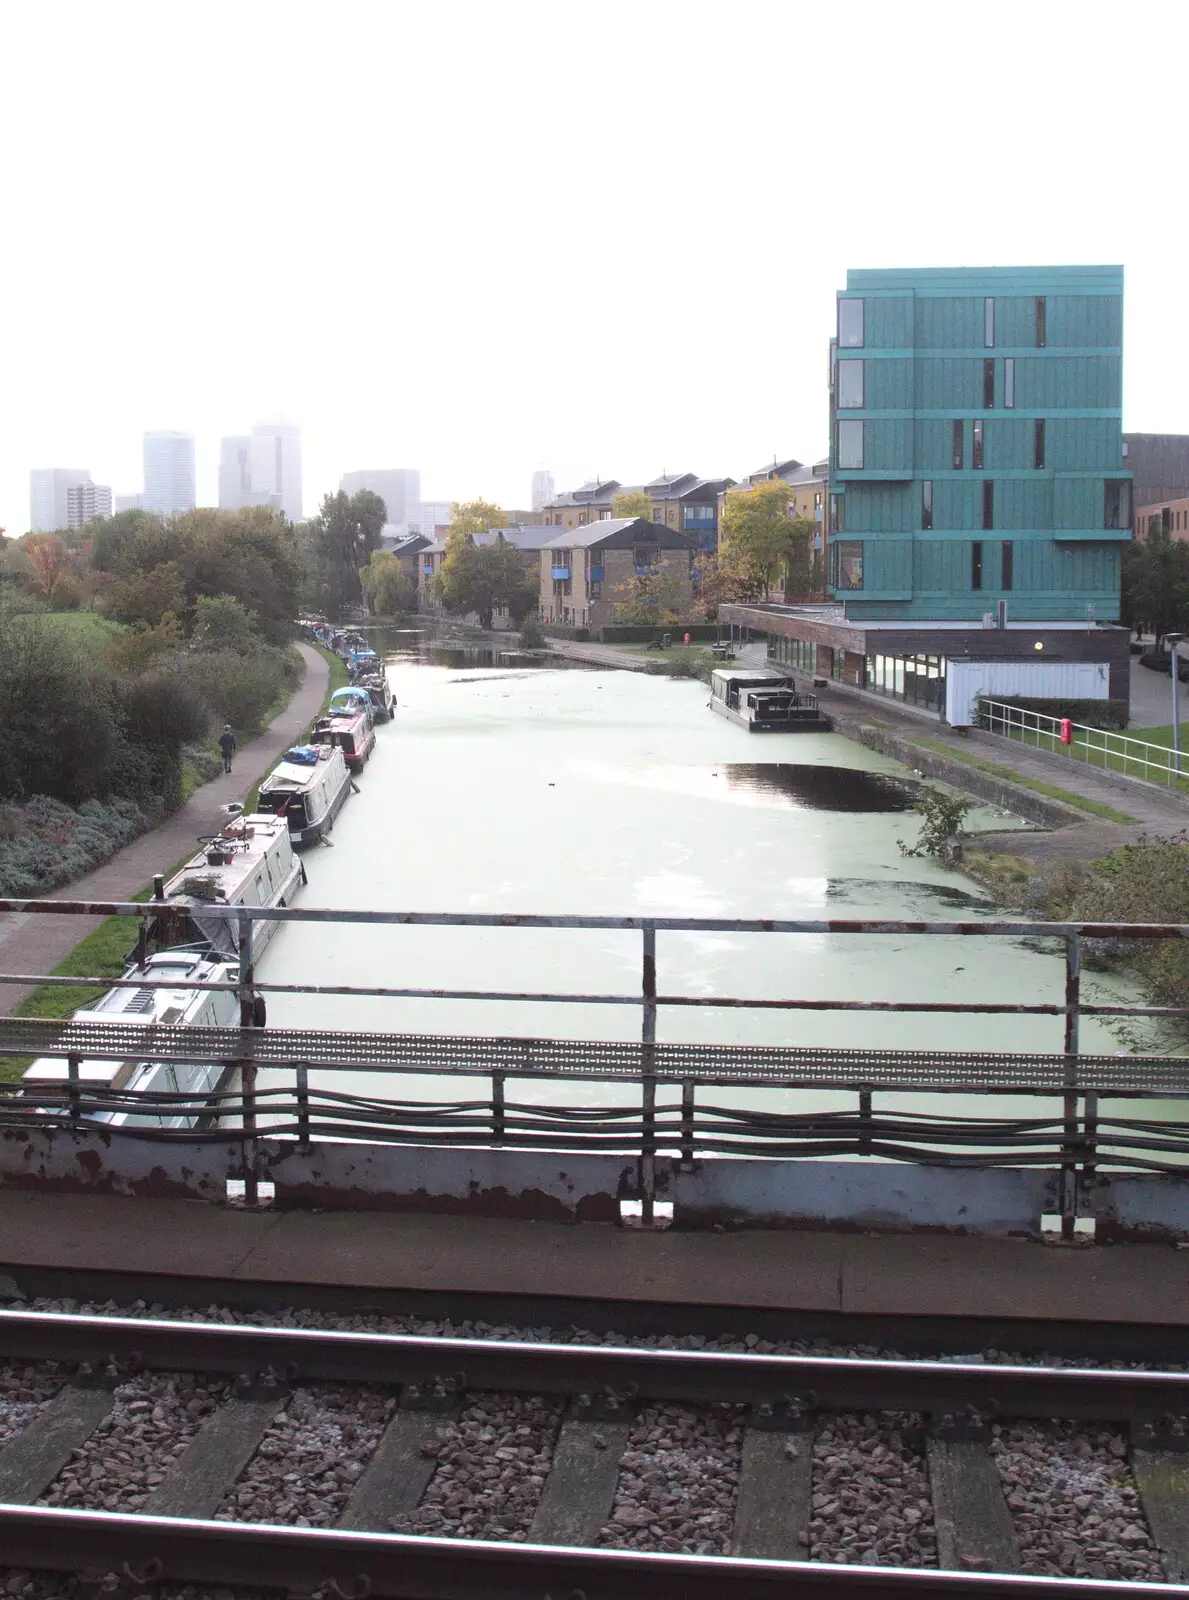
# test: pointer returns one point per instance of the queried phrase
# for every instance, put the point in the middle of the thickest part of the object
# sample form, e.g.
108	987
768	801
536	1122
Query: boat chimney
158	886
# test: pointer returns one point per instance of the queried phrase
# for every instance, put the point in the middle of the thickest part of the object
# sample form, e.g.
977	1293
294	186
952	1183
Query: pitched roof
525	536
621	532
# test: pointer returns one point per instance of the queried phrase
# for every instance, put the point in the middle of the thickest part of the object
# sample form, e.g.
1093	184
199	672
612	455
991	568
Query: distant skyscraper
130	502
87	500
276	467
427	515
542	488
48	488
235	472
398	487
169	473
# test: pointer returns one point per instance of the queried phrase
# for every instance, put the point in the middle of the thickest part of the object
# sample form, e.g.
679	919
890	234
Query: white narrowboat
309	788
154	1004
249	862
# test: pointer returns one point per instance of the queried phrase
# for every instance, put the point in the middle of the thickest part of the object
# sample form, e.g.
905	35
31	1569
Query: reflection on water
785	785
438	645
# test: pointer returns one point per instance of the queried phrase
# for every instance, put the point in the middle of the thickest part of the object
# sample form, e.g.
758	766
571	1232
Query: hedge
1162	662
1110	714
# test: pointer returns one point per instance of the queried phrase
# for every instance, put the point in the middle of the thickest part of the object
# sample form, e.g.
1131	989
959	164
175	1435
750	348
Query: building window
848	568
988	503
959	445
1116	503
1009	382
427	563
989	322
989	385
1008	569
850	442
927	504
976	564
850	324
977	447
646	556
837	513
1038	443
1041	317
582	519
850	385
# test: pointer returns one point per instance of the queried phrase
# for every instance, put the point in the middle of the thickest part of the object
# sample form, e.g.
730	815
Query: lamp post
1173	640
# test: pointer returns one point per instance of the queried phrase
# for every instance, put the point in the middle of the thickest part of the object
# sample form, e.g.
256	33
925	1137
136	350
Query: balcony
560	573
646	571
595	575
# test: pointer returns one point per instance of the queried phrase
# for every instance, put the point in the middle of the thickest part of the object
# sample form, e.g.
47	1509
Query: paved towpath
36	944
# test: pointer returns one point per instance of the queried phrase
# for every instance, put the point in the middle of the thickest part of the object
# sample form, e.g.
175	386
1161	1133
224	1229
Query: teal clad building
976	444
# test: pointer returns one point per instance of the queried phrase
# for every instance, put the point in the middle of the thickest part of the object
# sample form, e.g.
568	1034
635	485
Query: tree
482	577
222	621
656	598
632	503
760	543
387	586
50	561
337	544
1155	589
475	516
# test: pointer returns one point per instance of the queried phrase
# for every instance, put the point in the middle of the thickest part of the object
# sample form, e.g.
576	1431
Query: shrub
943	815
1108	714
1161	661
239	687
44	843
532	635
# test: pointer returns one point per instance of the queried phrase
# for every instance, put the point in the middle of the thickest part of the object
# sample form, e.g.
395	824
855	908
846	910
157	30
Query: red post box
687	638
1066	731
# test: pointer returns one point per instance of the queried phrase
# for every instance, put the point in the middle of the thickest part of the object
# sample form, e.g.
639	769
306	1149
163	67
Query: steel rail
476	919
705	1376
392	1566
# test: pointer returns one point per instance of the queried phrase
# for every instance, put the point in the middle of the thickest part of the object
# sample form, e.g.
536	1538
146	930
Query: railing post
497	1107
1069	1171
73	1062
688	1087
247	1067
302	1072
648	1078
864	1122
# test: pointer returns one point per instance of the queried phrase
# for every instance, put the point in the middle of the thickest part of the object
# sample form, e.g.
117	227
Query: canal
502	787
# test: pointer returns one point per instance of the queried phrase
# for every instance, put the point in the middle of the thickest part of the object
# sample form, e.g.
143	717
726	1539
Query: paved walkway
1151	700
606	655
36	944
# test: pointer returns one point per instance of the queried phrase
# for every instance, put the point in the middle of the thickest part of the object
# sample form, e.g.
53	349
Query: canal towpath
36	944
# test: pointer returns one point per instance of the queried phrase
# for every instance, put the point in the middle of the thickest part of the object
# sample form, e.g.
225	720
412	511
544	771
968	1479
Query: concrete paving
36	944
1151	699
880	1274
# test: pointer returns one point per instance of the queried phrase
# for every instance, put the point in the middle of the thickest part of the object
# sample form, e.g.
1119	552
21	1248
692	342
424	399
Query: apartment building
586	572
85	501
528	538
678	500
1168	519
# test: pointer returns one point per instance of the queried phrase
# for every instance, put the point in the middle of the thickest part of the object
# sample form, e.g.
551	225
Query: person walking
227	746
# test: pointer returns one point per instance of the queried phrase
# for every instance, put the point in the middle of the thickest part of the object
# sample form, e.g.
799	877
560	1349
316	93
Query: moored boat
153	1005
249	862
380	694
308	788
765	702
348	723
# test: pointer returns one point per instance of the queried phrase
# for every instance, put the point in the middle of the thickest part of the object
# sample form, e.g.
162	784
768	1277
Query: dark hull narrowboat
764	702
381	696
309	789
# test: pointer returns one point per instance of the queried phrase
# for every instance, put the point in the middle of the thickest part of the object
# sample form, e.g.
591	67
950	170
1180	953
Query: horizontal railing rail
1076	1141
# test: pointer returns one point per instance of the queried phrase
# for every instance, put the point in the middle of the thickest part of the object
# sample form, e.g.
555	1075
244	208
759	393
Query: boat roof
141	1007
749	675
254	836
289	775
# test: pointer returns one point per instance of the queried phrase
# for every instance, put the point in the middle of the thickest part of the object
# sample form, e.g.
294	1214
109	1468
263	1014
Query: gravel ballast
871	1499
492	1465
678	1482
1073	1502
24	1389
310	1458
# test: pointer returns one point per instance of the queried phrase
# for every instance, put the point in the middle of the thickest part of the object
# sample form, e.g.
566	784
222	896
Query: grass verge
1114	757
1052	790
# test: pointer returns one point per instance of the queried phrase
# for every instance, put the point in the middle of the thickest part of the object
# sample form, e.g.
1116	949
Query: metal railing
1098	747
1077	1140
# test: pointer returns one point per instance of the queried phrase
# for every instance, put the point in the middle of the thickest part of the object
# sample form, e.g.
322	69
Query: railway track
285	1458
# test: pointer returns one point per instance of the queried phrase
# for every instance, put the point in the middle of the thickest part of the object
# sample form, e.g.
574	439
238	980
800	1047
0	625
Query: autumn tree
50	561
482	577
632	503
387	586
475	516
760	543
656	598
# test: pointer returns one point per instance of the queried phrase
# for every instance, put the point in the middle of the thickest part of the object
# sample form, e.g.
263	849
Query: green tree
483	577
221	621
387	586
337	544
632	503
656	598
760	543
1155	590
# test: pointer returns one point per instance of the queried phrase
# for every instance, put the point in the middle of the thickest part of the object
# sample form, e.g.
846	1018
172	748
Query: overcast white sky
478	238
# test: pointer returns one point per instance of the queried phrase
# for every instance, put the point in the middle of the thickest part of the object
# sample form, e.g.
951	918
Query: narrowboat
151	1006
349	725
249	862
308	788
380	694
361	664
765	702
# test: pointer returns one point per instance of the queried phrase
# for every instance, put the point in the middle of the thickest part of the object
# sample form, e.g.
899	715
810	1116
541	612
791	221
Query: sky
482	238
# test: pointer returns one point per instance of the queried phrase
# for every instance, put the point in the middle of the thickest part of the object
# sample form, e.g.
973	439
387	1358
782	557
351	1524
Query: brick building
586	572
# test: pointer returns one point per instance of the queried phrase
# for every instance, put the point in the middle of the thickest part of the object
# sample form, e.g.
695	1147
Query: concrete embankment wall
1013	797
